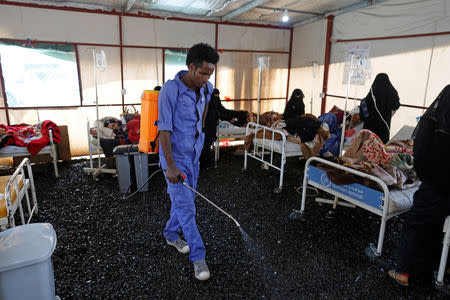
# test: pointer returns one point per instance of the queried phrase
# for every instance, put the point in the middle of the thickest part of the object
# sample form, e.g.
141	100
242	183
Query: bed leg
371	252
280	186
33	189
55	164
216	151
439	276
245	161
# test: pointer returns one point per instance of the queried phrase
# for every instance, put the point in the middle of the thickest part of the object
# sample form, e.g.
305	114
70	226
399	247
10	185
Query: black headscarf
432	142
295	106
212	117
387	100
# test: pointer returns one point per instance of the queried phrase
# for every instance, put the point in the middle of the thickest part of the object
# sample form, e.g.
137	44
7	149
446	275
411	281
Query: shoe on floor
201	269
181	245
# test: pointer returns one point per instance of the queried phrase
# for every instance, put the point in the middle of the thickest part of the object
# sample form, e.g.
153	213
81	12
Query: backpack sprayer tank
132	161
148	140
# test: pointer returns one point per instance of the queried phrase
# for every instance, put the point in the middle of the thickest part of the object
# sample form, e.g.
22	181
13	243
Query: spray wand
181	178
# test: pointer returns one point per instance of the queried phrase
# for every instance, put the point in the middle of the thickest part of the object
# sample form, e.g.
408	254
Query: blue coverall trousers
182	211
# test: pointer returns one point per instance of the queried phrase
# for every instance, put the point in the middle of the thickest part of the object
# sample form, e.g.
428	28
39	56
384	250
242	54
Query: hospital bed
14	151
265	147
386	204
13	189
234	132
96	149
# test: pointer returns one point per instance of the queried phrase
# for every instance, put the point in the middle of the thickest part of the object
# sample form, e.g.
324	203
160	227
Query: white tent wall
237	72
108	81
143	42
418	66
237	78
251	38
142	70
18	22
308	47
154	32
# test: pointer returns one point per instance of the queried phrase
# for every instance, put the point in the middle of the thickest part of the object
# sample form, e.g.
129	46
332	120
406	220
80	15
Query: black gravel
110	248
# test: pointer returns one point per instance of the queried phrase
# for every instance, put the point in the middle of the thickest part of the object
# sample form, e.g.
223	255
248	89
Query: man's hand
172	173
234	120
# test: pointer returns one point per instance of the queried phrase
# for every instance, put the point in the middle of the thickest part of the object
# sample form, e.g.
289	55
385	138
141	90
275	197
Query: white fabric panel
55	25
2	99
253	38
308	46
237	78
395	17
439	68
3	117
108	81
155	32
142	70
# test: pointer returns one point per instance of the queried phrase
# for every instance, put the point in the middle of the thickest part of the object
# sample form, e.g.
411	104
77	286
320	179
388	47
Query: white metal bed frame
11	208
49	149
101	168
381	210
223	137
260	149
444	254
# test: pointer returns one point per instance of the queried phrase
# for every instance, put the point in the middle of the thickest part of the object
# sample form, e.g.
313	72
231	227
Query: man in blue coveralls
182	107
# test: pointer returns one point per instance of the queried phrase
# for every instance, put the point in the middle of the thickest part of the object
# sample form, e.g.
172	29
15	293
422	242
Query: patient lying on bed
392	163
111	132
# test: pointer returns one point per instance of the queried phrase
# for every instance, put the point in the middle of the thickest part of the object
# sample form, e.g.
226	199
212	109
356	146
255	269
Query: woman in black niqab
381	101
421	243
295	106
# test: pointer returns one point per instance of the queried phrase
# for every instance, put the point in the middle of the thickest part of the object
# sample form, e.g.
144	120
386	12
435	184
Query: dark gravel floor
110	248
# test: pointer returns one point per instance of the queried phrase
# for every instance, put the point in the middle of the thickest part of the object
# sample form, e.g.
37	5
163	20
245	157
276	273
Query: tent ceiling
247	11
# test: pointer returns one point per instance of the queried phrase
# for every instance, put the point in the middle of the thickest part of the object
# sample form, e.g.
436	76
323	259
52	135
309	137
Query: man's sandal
395	275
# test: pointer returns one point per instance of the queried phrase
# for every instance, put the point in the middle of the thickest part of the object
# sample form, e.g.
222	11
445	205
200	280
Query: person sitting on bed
295	107
421	243
378	106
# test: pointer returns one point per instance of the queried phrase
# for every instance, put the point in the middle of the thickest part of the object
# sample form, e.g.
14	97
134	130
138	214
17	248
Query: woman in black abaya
422	240
295	106
380	103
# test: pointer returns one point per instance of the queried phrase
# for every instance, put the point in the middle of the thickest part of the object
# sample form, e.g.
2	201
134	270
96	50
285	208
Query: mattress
235	130
19	151
289	147
401	199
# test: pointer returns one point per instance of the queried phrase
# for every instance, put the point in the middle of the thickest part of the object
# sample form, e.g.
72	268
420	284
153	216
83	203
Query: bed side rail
28	182
259	150
383	186
371	251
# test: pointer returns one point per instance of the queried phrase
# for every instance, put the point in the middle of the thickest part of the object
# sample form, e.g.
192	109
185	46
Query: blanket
393	163
34	137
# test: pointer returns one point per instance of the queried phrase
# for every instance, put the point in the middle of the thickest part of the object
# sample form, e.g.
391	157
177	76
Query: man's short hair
201	52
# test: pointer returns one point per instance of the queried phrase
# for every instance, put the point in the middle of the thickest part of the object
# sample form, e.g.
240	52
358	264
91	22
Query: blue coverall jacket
180	113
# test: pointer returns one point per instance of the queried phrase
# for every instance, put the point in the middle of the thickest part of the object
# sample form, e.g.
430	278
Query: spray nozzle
181	177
